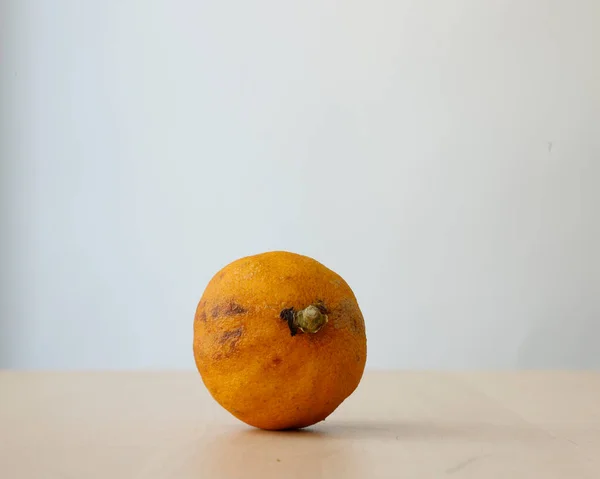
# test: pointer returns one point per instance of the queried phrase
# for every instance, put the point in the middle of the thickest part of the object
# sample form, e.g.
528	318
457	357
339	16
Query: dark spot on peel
277	360
232	335
233	309
200	312
320	305
228	341
228	309
288	315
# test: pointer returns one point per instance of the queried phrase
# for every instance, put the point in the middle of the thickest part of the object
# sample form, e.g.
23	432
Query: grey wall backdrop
444	157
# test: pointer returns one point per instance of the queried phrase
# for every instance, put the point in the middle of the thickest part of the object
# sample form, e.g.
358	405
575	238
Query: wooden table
397	424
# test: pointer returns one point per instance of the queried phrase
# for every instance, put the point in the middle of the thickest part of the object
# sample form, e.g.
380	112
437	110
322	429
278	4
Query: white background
442	156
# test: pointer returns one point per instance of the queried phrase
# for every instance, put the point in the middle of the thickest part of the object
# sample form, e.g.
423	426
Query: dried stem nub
308	320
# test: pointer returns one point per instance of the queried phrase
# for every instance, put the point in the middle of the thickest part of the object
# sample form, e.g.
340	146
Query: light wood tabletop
397	424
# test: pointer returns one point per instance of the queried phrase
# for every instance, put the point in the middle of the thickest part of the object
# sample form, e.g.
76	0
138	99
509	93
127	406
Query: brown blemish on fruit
228	342
321	306
228	309
347	316
232	336
200	312
360	320
233	309
277	360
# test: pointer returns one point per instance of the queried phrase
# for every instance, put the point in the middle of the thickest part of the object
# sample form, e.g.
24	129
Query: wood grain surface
397	424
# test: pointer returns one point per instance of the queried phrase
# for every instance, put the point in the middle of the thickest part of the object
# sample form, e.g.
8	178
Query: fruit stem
310	319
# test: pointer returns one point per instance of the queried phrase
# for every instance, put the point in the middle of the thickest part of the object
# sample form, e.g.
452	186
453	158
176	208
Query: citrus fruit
279	340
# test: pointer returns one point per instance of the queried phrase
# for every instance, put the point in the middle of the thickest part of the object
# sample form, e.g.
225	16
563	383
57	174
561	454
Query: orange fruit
279	340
